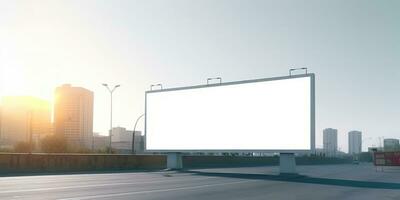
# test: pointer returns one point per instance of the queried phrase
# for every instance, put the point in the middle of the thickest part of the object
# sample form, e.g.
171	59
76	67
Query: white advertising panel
275	114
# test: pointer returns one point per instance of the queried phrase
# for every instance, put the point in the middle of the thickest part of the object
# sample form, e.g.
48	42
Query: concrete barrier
239	161
43	163
15	162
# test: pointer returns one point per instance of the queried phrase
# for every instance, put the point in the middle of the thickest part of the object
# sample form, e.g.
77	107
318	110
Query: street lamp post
133	135
111	109
30	131
137	120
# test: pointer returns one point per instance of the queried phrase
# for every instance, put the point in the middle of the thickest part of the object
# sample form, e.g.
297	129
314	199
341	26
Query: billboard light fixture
295	69
156	85
216	78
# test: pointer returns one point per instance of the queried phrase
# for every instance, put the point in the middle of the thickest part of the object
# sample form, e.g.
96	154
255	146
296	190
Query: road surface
316	182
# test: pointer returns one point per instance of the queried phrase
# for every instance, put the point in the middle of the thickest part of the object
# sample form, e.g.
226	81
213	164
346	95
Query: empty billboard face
261	115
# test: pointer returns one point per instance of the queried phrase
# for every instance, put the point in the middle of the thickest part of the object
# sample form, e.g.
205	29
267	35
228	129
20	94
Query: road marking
82	179
98	185
77	176
154	191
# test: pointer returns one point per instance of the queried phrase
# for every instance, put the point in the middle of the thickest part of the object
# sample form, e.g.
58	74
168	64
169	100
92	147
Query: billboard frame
312	116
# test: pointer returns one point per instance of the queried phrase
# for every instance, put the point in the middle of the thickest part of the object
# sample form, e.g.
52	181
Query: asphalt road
316	182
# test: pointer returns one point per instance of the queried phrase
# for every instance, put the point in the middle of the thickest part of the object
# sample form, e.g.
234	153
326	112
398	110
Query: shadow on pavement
303	179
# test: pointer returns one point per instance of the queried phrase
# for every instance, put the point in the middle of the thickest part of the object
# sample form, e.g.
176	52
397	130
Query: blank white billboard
274	114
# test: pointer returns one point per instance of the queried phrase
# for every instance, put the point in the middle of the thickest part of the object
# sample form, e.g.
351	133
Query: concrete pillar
287	163
174	161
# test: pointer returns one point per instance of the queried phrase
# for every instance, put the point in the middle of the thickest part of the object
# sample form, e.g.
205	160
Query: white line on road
154	191
78	176
96	185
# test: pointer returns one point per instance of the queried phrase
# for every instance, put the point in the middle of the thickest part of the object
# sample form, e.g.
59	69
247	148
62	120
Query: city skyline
24	119
354	53
28	101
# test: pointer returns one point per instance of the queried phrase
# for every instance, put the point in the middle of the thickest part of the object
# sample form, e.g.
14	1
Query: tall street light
133	136
30	131
111	111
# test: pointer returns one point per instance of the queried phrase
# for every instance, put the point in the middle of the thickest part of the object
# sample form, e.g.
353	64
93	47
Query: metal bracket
216	78
295	69
155	85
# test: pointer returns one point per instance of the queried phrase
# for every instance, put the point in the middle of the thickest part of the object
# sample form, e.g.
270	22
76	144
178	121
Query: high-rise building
73	115
122	140
391	144
330	141
120	134
21	116
355	142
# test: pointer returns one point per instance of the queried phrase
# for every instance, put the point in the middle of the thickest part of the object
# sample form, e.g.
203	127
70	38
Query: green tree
54	144
22	147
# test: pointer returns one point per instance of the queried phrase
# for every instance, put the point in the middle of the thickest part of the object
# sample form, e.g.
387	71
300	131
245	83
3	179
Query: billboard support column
174	161
287	163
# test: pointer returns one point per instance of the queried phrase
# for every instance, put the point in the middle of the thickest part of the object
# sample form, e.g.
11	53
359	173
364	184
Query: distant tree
54	144
22	147
105	150
80	150
365	157
6	150
113	151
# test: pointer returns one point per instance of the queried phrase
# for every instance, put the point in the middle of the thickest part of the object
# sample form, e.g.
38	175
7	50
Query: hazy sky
353	47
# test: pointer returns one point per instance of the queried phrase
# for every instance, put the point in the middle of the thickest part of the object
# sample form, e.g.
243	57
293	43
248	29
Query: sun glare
15	82
12	81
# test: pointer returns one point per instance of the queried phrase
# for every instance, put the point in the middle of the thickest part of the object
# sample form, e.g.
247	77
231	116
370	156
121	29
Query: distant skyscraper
391	144
330	141
355	142
73	115
22	114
